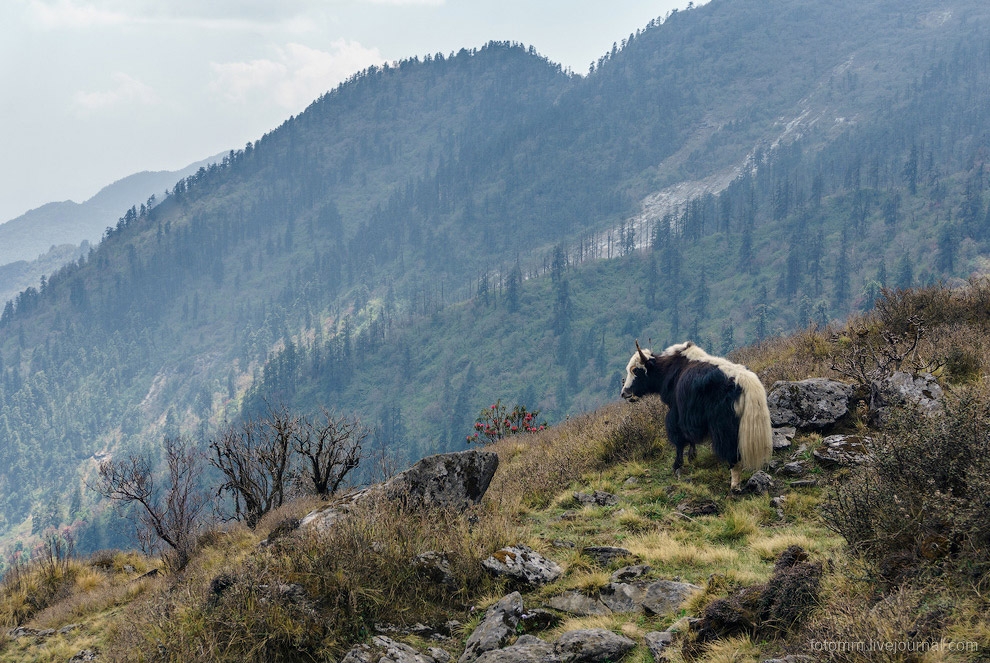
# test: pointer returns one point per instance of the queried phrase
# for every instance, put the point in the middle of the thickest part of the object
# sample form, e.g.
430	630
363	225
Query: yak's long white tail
755	435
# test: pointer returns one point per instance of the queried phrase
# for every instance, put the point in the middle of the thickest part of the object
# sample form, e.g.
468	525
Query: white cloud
296	76
128	92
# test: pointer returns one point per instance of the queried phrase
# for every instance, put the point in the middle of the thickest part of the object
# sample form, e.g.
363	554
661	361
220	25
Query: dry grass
359	574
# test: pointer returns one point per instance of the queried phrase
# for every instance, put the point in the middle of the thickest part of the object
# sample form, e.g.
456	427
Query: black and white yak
708	397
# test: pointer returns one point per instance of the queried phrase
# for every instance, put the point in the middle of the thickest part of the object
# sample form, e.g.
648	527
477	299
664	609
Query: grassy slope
362	575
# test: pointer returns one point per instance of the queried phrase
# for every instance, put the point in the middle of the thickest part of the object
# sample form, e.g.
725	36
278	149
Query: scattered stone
495	629
523	564
605	555
698	507
793	469
575	603
631	572
783	436
593	645
85	655
904	389
443	481
812	404
842	451
598	498
559	543
359	654
69	628
526	649
790	658
663	596
439	655
760	483
804	483
398	652
657	642
631	481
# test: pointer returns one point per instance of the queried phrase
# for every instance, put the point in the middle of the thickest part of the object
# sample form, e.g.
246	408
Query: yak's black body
708	397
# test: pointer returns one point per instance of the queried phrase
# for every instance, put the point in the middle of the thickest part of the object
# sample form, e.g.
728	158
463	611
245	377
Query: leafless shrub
255	460
170	513
330	448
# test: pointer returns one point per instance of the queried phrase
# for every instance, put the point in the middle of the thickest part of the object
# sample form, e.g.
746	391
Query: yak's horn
642	355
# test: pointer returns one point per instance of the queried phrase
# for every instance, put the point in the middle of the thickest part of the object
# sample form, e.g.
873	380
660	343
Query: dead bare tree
168	513
256	462
330	448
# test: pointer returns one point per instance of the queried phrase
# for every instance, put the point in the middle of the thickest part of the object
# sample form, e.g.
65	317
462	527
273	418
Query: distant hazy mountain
36	231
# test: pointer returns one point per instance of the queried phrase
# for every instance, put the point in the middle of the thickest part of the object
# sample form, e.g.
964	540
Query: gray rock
398	652
904	389
523	564
495	629
444	481
605	555
526	649
594	645
575	603
804	483
793	469
783	436
624	597
812	404
842	451
663	596
359	654
790	658
657	642
598	498
760	483
631	572
439	655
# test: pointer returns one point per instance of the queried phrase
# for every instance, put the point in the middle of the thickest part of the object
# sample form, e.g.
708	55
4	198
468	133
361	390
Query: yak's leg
692	453
735	474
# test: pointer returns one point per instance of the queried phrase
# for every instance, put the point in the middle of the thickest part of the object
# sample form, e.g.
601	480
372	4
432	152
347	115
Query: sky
94	90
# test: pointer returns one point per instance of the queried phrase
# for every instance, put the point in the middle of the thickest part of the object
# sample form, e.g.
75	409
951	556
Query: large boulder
444	481
812	404
900	390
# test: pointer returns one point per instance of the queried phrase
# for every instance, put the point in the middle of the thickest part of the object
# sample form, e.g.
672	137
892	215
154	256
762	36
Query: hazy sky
94	90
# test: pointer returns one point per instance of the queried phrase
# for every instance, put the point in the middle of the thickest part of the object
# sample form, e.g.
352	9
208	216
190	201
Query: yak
707	397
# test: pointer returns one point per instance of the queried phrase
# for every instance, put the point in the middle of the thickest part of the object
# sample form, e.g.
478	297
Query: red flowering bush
496	422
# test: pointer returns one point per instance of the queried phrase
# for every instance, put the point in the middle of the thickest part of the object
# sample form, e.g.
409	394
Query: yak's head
637	368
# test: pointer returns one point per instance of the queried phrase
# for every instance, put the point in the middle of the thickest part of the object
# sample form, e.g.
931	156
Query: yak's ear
689	344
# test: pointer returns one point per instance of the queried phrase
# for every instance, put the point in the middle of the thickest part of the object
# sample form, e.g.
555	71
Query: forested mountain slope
427	237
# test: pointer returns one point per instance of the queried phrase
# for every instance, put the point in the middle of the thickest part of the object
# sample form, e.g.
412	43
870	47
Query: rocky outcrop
444	481
813	404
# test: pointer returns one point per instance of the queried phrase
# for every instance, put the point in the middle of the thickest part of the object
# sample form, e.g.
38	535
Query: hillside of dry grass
901	546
